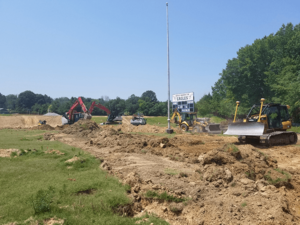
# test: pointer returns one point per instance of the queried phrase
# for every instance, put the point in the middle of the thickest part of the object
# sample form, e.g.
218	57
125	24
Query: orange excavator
110	116
73	116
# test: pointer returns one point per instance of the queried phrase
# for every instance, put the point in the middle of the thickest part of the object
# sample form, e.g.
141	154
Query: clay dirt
212	179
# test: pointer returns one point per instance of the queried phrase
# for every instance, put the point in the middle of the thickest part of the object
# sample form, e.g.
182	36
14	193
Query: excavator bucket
247	129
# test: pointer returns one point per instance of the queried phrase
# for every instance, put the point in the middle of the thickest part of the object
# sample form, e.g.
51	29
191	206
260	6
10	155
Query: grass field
295	129
42	186
99	119
160	121
215	119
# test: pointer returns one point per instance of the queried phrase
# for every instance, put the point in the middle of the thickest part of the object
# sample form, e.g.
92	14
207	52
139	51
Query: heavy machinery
189	120
111	117
138	120
265	124
72	116
42	122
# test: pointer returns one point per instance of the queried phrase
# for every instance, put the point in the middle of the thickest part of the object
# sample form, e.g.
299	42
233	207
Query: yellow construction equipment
265	124
185	120
189	121
42	122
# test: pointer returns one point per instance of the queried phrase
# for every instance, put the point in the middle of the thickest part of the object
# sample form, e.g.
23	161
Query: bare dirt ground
222	183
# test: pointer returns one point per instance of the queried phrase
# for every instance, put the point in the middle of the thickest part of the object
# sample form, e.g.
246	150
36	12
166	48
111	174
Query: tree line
29	102
269	68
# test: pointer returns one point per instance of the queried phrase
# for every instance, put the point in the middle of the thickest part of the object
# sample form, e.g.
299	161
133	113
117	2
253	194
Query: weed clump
171	171
250	175
41	202
277	177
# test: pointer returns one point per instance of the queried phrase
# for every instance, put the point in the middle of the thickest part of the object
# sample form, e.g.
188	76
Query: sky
117	48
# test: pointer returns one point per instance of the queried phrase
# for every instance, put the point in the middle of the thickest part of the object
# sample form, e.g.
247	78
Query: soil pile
220	182
28	121
43	127
82	128
230	186
7	152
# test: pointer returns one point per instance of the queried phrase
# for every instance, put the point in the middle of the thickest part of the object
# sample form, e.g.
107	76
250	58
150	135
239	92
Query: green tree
150	95
25	101
132	104
11	102
2	101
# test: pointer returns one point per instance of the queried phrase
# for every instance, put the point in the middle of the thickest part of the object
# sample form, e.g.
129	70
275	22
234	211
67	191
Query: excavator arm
98	106
110	116
71	110
70	113
176	113
84	109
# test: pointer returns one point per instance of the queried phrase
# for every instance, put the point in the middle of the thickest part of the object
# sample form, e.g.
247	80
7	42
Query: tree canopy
27	101
269	68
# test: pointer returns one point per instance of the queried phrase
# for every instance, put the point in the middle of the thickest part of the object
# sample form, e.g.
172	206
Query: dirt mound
82	128
43	127
220	180
230	186
28	121
53	151
7	152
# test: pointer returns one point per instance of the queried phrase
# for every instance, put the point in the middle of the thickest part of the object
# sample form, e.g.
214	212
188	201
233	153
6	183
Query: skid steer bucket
247	129
209	128
213	127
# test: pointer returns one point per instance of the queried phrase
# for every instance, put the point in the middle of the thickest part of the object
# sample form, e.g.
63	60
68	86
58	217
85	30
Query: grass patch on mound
171	171
231	148
5	114
163	196
275	179
40	185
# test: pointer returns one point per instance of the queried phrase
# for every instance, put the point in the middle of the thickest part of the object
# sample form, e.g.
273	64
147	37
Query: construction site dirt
219	180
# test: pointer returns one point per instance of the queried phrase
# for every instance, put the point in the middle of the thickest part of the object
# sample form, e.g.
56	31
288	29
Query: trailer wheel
184	127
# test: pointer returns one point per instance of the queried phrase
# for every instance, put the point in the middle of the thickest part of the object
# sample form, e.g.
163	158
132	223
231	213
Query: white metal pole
168	59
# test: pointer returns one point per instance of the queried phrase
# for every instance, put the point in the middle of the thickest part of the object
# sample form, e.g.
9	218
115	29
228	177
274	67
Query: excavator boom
110	116
98	106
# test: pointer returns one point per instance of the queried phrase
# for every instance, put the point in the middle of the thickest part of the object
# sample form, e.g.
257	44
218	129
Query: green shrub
41	202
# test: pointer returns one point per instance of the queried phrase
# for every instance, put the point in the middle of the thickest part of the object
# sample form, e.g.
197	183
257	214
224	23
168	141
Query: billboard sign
183	97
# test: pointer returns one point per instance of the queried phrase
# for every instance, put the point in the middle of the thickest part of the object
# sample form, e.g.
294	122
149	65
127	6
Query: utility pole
169	130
